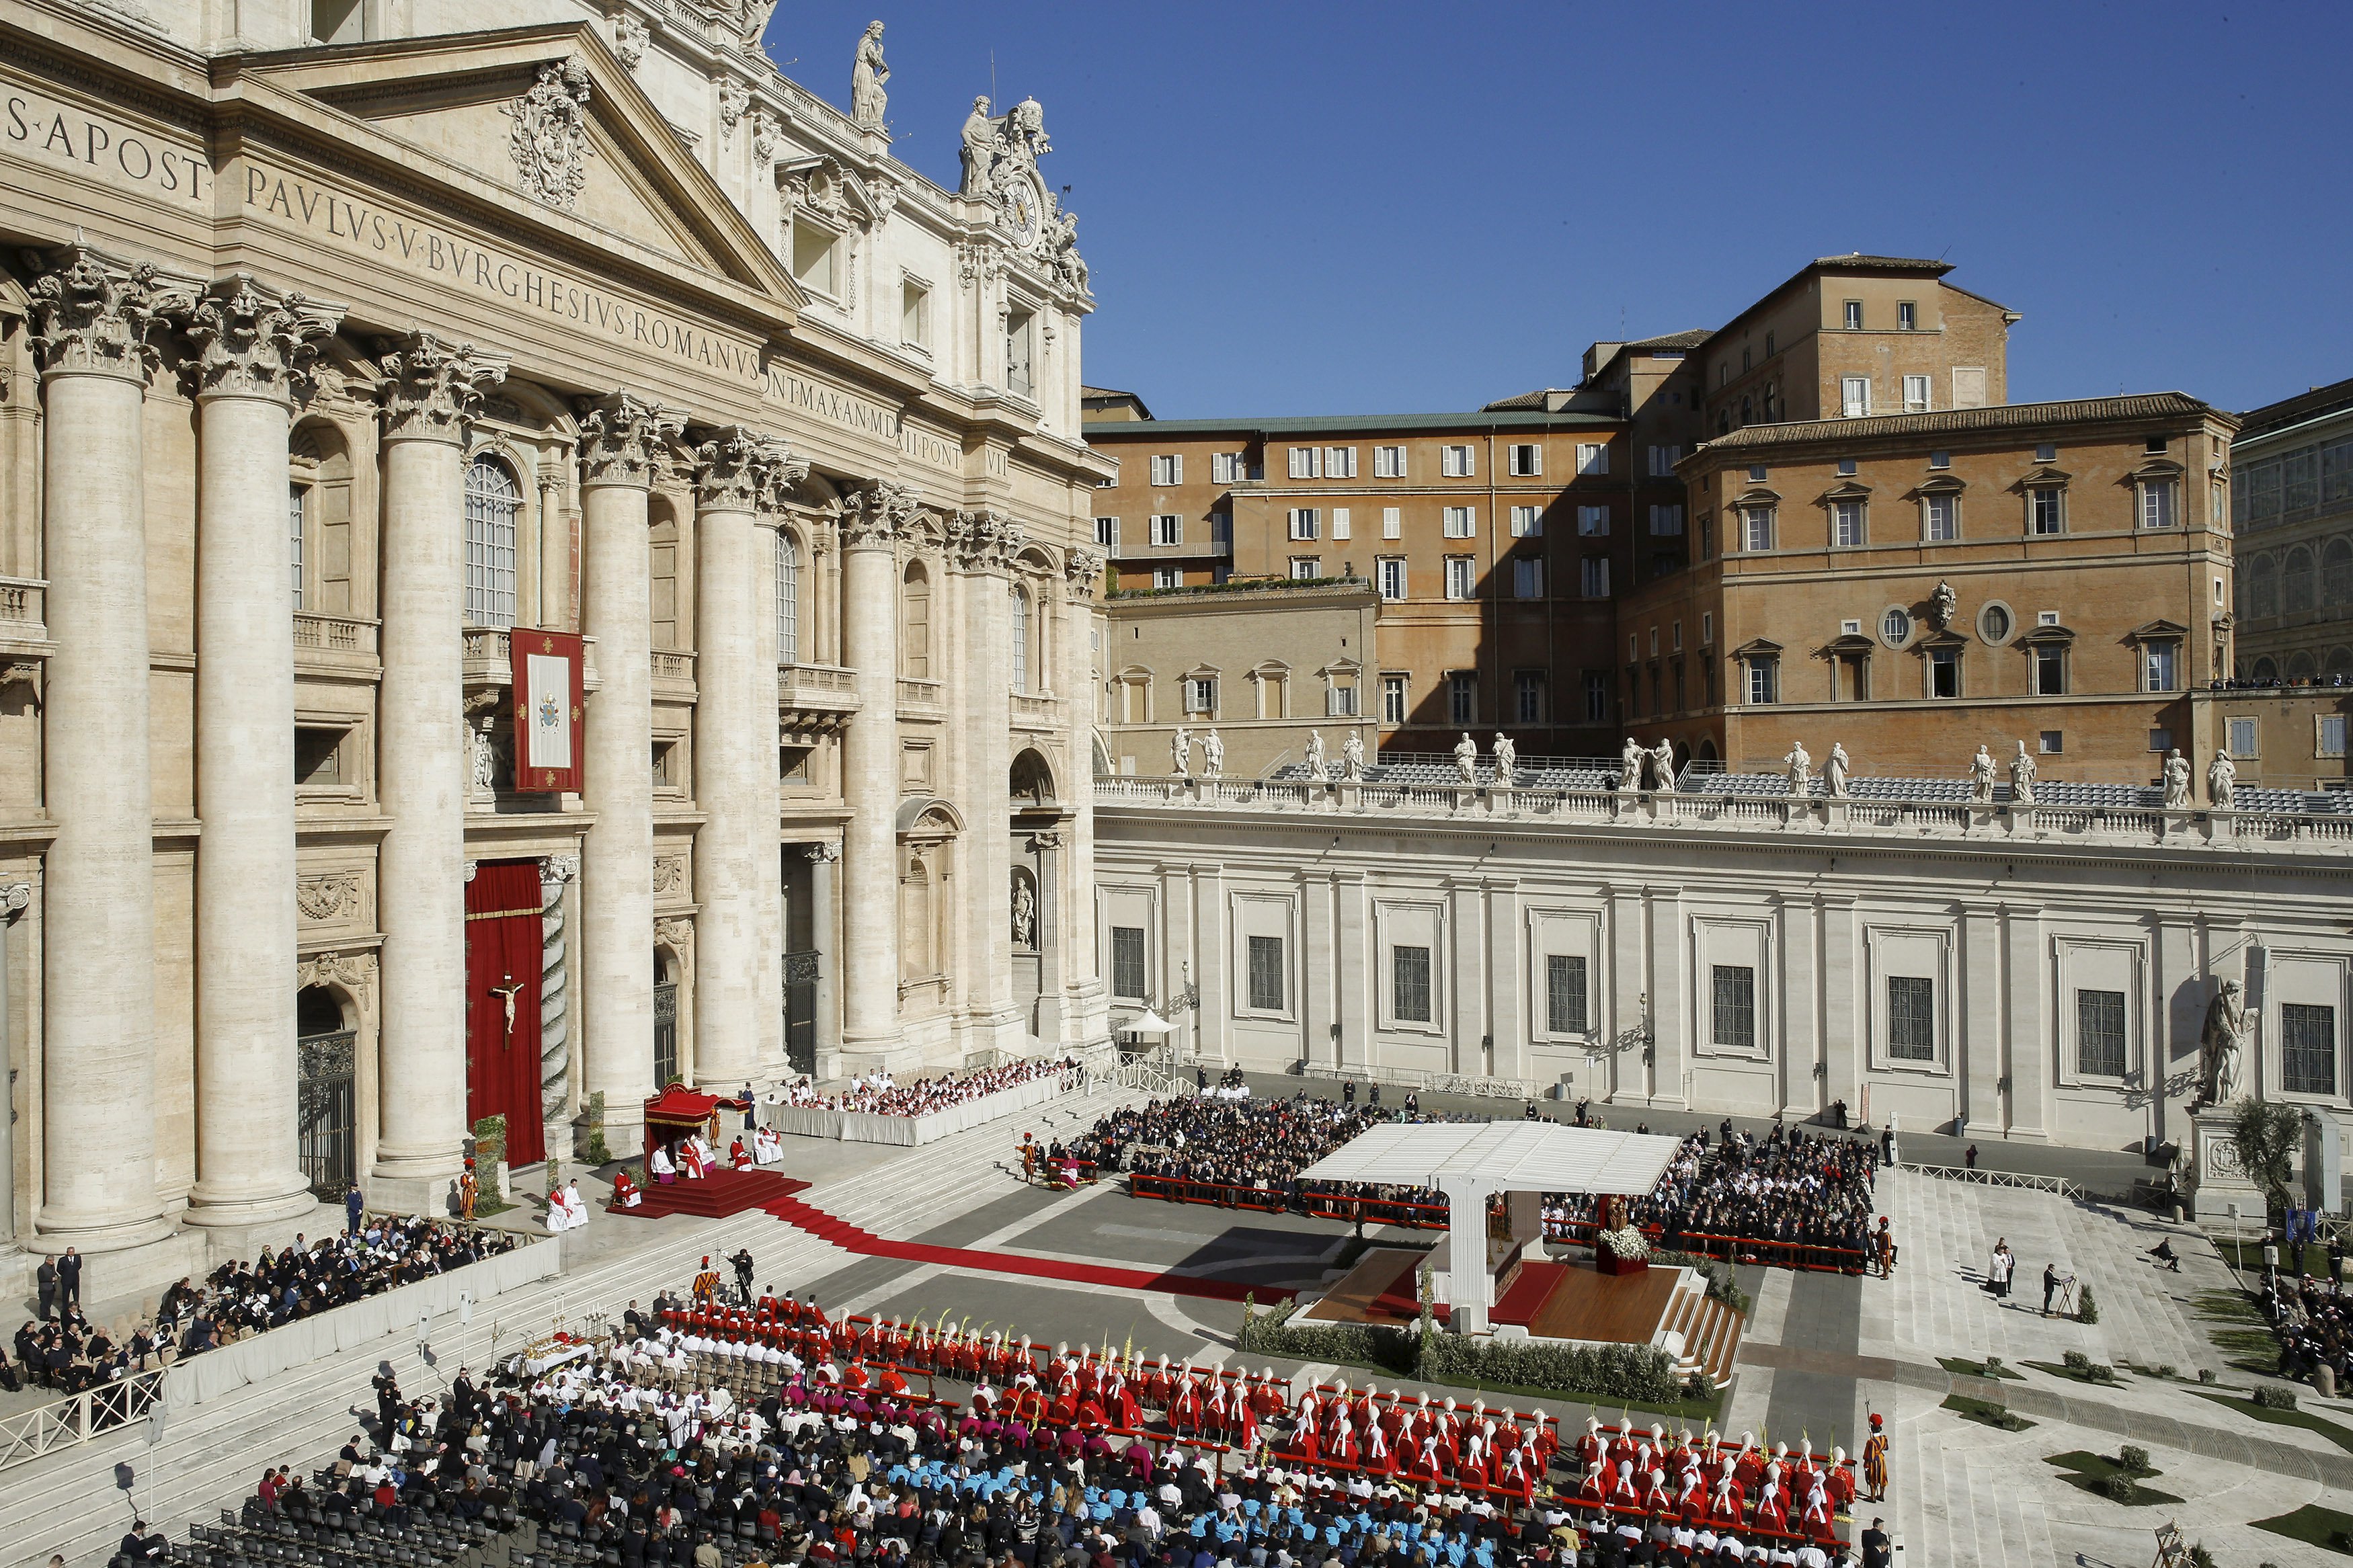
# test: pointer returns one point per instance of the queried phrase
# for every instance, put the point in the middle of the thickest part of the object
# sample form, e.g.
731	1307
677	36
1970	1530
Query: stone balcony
674	676
490	660
1033	710
1666	812
924	698
816	698
332	645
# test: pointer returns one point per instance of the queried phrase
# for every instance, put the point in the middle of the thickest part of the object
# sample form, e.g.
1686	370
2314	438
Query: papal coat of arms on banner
548	699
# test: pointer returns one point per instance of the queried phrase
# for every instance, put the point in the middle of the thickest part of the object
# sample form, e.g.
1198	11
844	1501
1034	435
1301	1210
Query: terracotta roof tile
1970	421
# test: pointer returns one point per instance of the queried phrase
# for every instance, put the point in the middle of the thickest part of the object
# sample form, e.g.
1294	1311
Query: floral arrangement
1627	1242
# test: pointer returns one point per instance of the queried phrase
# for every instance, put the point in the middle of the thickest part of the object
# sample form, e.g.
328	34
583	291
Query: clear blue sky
1297	208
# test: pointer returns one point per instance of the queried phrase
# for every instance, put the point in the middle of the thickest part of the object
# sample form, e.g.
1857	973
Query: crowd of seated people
659	1449
1790	1197
879	1094
2310	1315
70	1354
1234	1151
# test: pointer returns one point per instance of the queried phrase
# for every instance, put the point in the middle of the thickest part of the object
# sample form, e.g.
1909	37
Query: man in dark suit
46	1276
69	1281
1877	1552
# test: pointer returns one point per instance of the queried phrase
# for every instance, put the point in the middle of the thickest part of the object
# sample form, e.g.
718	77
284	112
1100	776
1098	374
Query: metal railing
2059	1184
77	1417
1472	1084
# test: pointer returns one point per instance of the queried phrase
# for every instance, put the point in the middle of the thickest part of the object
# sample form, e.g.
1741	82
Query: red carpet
1526	1298
715	1197
855	1239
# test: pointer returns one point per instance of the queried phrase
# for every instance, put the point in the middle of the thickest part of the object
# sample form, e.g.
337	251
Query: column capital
983	541
741	469
554	870
96	314
254	342
875	514
431	387
1080	567
622	436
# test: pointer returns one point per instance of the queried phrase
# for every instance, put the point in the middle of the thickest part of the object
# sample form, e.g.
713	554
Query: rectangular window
1167	529
1944	672
2308	1048
300	499
1306	462
1915	394
1593	522
1907	316
1707	628
2161	666
1458	579
1596	578
1940	459
1940	518
1225	468
1846	523
1735	987
1339	462
1664	460
1528	522
2050	672
1168	576
915	314
2245	740
1202	694
2046	511
1107	533
1221	531
1764	681
1392	576
1597	697
1462	696
1306	568
1392	522
1911	1019
492	501
1528	695
1526	459
2157	505
2100	1034
1306	522
1409	984
1462	522
1527	579
1266	974
1853	315
1339	522
1388	462
1666	522
1127	963
2160	740
1393	696
1757	528
2052	743
1168	469
1454	462
1592	457
1565	994
1339	702
1854	395
2328	738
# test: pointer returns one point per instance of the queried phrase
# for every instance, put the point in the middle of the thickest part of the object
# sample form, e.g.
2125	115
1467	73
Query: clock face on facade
1024	208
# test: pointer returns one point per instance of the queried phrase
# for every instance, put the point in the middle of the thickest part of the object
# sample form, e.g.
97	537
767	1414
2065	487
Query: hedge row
1630	1374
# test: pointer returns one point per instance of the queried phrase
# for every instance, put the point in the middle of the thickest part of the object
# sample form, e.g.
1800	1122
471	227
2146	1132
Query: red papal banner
549	700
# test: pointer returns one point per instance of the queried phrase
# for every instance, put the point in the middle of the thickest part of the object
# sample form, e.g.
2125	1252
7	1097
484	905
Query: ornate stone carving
735	98
868	72
883	195
741	469
554	870
551	135
1943	604
623	438
876	514
1080	567
252	340
978	263
1981	771
676	933
94	314
983	541
2021	777
767	134
2223	1044
629	42
431	387
354	972
784	473
2176	781
2223	780
826	852
1799	764
1835	772
670	874
328	897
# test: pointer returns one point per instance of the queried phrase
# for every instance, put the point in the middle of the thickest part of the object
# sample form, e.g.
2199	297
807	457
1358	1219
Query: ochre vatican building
368	377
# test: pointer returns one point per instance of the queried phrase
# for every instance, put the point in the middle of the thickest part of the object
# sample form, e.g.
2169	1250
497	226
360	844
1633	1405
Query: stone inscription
46	132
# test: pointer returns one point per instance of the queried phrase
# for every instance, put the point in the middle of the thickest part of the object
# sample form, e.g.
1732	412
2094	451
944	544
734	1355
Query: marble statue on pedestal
1316	767
1662	767
1352	757
1213	753
2176	781
867	74
1466	758
1630	766
2021	777
1800	766
1508	759
1981	771
2223	781
979	148
2222	1045
1180	752
1834	772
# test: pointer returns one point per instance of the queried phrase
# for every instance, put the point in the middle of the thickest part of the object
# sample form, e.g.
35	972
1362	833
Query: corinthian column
871	520
256	350
423	769
738	865
96	319
1086	1011
981	546
621	438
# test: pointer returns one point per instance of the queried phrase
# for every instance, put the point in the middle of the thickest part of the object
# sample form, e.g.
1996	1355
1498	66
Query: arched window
2266	670
1020	638
2262	586
789	600
2337	574
2296	582
915	624
2302	666
492	501
2340	660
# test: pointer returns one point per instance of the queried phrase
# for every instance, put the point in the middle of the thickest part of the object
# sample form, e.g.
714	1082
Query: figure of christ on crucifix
506	994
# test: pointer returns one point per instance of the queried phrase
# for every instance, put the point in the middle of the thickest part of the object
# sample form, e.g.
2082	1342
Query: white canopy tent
1471	1161
1146	1023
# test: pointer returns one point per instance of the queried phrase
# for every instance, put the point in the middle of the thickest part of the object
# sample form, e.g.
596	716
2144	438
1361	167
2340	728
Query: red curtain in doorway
502	946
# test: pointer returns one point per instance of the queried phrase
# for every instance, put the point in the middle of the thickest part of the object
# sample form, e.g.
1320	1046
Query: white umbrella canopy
1146	1023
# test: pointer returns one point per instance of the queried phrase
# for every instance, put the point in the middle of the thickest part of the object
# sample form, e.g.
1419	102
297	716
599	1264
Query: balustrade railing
77	1417
319	634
